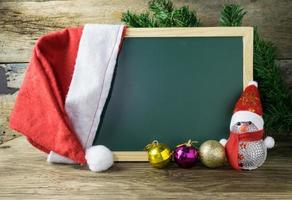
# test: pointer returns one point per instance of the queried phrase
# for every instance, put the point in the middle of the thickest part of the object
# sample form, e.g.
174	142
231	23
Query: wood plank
286	70
11	76
23	22
6	104
248	56
191	32
26	175
130	156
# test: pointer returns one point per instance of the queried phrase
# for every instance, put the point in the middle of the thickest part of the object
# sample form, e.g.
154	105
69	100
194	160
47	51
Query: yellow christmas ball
159	155
212	154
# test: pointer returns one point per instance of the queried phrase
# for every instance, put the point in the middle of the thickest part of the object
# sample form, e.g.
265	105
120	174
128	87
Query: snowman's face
243	127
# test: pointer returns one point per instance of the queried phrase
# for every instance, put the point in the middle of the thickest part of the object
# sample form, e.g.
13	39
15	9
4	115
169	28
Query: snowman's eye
249	123
238	123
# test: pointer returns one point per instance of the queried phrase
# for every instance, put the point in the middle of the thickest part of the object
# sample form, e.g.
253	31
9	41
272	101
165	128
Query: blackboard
172	88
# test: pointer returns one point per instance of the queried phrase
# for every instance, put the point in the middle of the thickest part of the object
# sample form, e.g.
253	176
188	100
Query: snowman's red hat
249	107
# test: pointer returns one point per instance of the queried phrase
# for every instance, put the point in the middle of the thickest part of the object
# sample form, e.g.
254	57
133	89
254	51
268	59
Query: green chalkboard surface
172	89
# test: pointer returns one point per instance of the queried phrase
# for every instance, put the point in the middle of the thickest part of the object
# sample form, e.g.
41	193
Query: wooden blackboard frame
247	37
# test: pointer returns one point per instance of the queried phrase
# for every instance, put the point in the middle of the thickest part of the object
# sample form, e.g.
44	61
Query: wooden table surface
25	174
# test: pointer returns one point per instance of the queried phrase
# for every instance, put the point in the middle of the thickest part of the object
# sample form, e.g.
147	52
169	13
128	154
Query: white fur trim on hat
252	83
244	116
91	80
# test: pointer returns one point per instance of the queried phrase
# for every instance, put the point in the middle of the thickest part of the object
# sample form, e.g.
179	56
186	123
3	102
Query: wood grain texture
26	175
23	22
130	156
247	56
6	104
191	32
285	67
11	78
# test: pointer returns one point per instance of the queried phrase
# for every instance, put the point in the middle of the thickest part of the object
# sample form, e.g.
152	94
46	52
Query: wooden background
22	22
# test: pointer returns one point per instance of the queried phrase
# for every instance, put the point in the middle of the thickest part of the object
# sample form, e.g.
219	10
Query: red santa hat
249	107
59	105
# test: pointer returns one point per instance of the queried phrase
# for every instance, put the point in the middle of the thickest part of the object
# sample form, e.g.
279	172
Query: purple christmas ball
185	155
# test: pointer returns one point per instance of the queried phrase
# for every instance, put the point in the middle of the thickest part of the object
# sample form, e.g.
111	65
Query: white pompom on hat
223	141
269	142
99	158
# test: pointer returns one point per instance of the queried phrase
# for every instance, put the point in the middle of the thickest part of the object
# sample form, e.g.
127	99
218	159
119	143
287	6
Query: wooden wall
22	22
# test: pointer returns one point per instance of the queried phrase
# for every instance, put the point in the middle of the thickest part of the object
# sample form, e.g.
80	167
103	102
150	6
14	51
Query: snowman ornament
245	148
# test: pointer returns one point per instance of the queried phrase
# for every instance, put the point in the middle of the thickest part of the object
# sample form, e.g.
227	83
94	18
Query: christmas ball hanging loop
189	143
152	144
155	142
192	142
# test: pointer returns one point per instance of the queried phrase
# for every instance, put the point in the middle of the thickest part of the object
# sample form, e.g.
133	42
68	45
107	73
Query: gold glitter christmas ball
159	155
212	154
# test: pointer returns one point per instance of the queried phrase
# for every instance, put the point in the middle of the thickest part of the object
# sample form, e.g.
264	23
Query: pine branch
157	6
138	20
275	97
183	17
231	15
162	13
